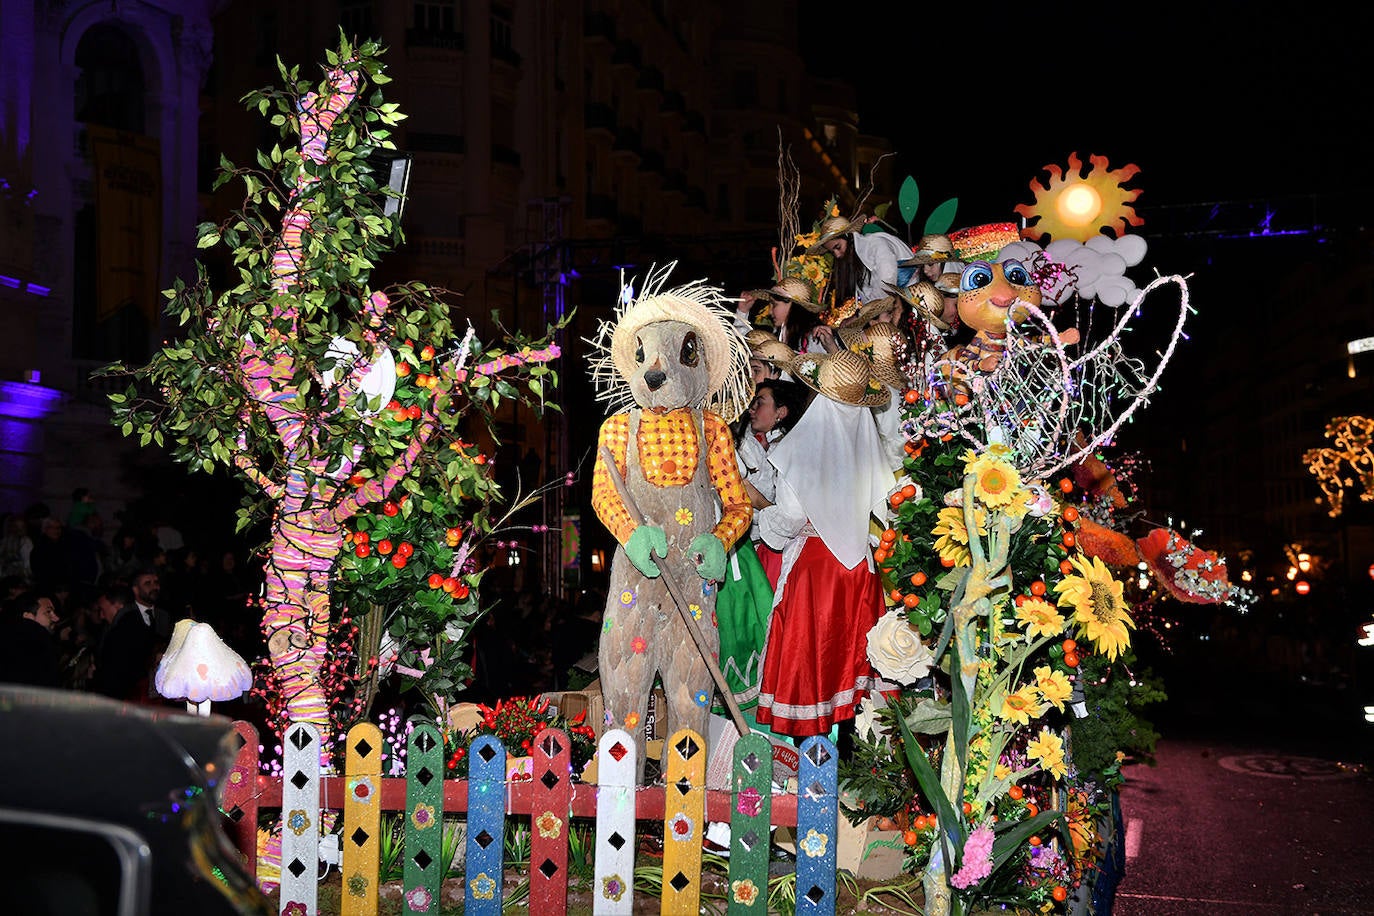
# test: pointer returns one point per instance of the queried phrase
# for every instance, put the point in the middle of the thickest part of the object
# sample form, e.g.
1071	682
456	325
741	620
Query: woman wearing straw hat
830	477
865	263
795	311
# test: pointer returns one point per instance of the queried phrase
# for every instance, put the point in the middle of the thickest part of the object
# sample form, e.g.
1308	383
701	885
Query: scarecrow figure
666	484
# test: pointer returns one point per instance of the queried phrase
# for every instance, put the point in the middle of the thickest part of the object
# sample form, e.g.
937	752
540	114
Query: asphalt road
1249	810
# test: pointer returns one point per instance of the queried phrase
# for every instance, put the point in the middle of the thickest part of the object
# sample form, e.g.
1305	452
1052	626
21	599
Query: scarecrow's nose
655	378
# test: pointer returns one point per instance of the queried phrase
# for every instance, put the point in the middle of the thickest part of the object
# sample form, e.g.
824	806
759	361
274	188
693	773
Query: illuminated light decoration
1350	454
1366	634
1302	587
1075	206
1363	345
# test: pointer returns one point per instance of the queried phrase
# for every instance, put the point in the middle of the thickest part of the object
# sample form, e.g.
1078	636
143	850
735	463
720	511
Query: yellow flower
1048	749
1053	686
997	484
1001	771
994	452
1098	605
951	540
684	516
1022	706
1039	617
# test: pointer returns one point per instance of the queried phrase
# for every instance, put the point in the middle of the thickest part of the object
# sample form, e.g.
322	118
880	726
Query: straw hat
697	304
932	249
948	282
844	376
768	348
879	342
861	315
797	290
925	299
835	226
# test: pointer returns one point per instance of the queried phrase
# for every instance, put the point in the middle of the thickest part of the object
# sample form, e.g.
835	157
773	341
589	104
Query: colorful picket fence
549	801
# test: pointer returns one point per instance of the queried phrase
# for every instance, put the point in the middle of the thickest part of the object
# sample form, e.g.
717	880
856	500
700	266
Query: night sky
1221	102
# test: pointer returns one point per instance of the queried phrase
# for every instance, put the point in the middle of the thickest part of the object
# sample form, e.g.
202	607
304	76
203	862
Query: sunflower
997	484
951	540
1048	748
1053	686
1039	617
1098	605
1022	706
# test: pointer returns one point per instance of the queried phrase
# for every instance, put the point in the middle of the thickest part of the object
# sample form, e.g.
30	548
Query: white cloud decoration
1098	267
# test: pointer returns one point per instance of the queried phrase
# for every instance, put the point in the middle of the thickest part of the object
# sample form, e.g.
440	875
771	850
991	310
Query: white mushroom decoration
198	667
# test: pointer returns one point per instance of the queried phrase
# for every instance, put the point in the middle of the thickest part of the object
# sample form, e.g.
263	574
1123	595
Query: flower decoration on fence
338	404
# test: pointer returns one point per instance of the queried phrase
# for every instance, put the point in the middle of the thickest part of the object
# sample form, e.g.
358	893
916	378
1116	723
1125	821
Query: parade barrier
548	801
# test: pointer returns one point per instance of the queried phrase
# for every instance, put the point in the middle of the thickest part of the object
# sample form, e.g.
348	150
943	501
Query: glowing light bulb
1303	587
1079	205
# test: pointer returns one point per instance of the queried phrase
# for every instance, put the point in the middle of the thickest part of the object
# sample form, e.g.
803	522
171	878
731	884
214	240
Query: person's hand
646	541
709	554
825	336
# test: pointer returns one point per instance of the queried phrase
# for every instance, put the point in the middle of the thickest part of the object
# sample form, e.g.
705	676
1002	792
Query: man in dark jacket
124	659
29	653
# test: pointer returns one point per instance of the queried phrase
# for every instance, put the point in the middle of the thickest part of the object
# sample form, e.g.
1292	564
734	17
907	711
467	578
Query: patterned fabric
668	455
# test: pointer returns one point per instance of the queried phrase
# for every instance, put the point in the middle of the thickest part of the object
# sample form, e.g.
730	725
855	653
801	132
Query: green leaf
908	199
1010	835
951	823
960	709
942	218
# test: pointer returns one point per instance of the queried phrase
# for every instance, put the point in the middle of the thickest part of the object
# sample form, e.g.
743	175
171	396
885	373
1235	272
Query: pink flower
749	803
977	859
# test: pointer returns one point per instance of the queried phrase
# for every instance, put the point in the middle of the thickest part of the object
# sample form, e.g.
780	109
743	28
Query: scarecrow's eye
690	355
639	350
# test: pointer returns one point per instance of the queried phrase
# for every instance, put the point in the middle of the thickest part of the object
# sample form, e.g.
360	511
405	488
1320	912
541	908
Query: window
355	17
436	16
501	28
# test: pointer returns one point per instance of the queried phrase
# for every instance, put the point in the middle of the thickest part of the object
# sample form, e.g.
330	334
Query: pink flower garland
977	859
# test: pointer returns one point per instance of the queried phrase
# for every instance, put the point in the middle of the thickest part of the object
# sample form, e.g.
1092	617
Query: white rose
896	651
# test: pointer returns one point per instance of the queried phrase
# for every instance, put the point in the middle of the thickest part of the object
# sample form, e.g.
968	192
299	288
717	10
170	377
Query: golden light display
1075	206
1349	460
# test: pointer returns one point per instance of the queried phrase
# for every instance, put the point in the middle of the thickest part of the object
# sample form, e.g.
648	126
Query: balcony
598	116
599	25
650	80
434	38
626	142
651	160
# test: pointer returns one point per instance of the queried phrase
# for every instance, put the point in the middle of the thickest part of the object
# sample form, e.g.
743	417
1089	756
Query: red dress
816	668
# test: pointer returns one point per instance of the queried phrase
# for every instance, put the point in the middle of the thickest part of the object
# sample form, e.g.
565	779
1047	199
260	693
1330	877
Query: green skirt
744	605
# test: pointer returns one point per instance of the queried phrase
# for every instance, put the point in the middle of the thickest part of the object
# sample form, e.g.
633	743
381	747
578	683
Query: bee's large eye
639	350
1016	272
976	276
691	350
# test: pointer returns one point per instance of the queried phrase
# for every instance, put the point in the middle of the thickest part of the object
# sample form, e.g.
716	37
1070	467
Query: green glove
645	541
709	553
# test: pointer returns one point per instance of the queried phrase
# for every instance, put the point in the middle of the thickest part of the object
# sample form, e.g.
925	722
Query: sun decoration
1078	207
1099	607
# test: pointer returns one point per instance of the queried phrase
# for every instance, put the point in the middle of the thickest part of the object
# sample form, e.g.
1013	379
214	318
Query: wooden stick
675	590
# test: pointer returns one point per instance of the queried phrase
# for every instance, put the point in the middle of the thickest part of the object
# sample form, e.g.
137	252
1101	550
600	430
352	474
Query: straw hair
880	342
698	304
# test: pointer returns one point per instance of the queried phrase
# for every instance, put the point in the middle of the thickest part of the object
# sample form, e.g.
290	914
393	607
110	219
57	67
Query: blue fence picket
817	822
486	827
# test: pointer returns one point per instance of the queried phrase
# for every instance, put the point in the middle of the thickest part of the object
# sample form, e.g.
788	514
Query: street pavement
1265	808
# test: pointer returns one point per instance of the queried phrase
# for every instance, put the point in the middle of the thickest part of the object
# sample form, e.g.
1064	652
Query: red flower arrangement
516	722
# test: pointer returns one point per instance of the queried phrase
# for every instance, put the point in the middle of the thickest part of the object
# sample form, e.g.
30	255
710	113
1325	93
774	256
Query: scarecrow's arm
735	509
606	501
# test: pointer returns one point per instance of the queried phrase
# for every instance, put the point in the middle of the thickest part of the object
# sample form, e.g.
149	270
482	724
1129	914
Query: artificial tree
284	379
